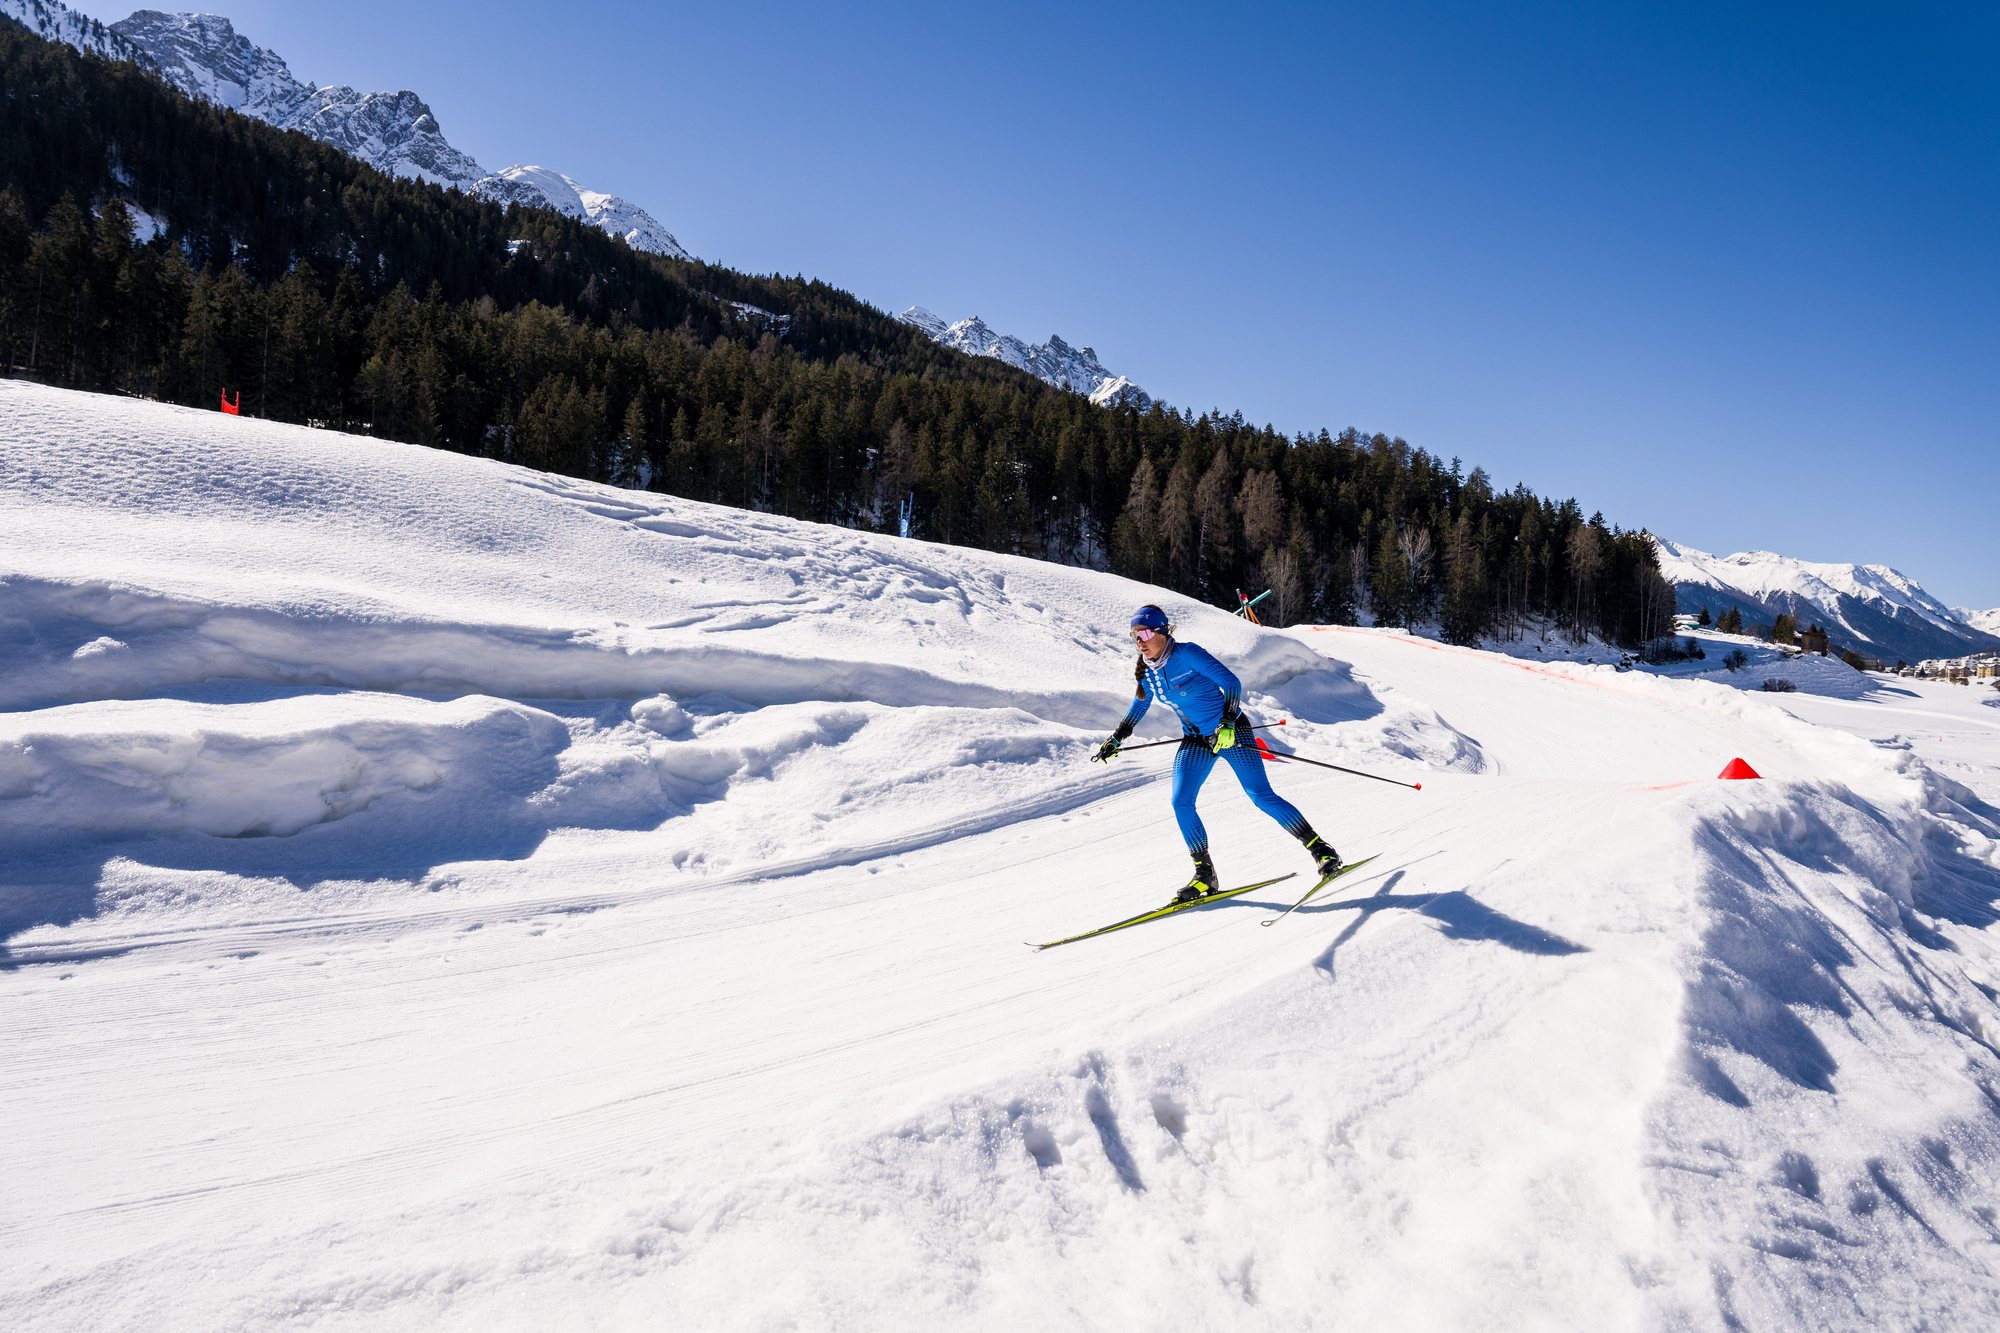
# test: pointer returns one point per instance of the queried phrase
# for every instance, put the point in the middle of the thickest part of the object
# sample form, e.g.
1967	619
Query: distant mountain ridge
1054	362
1870	608
204	56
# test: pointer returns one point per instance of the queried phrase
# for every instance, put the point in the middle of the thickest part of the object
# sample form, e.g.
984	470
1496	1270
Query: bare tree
1216	515
1413	543
1263	506
1180	528
1586	560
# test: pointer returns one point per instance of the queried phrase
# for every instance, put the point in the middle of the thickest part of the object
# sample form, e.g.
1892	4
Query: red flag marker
1736	768
233	409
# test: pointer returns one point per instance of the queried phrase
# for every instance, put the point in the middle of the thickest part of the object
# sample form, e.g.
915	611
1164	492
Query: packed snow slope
440	895
1870	608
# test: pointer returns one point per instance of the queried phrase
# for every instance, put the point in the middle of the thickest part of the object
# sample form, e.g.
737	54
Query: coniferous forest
156	245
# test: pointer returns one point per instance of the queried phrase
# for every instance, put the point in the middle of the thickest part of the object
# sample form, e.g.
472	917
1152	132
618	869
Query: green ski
1315	889
1168	910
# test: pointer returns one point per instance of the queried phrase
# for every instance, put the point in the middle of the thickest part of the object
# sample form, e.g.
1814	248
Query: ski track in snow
440	895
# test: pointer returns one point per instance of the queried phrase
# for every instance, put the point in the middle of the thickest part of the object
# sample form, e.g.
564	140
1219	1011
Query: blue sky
1725	271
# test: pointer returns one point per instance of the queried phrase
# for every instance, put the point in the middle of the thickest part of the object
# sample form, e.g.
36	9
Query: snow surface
1869	607
1054	362
438	894
205	56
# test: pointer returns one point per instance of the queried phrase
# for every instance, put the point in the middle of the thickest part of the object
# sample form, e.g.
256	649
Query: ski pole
1127	749
1300	759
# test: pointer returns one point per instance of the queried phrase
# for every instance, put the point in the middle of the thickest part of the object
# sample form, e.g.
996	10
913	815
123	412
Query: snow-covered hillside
439	895
1054	361
56	22
1871	608
205	56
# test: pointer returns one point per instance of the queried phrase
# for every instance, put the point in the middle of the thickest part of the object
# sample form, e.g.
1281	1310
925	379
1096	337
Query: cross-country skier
1203	693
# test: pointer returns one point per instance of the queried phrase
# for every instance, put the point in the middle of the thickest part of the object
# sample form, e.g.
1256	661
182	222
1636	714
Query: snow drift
442	895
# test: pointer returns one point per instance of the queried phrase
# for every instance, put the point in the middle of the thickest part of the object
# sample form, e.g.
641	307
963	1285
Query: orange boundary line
1534	668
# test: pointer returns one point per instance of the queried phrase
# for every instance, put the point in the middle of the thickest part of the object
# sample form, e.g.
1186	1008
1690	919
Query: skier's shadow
1463	917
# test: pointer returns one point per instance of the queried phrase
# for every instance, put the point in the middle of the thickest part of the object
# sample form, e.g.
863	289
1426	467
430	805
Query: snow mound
244	770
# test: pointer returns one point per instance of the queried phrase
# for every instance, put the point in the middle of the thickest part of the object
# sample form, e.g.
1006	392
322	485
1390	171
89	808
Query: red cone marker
1738	769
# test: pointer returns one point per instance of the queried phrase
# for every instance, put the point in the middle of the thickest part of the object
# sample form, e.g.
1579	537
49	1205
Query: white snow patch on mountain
1987	622
930	325
205	56
56	22
1054	362
437	894
539	187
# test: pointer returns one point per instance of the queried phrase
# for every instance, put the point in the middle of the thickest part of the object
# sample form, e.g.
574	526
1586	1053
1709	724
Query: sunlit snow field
436	894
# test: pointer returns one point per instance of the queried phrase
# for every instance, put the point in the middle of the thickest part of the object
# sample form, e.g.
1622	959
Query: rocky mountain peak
1054	362
396	132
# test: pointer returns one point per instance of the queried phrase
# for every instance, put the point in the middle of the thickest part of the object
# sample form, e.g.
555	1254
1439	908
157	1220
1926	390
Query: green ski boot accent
1203	885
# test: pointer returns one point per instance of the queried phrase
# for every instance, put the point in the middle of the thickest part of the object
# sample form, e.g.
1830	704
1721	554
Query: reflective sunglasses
1140	634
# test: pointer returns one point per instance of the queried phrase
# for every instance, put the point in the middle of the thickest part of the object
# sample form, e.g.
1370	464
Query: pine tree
56	282
628	452
1704	618
1391	591
1262	503
1467	602
16	241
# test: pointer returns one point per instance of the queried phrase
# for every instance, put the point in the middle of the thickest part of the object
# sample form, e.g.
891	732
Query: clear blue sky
1726	271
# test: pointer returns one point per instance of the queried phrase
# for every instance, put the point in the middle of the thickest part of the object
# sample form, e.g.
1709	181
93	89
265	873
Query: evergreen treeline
326	292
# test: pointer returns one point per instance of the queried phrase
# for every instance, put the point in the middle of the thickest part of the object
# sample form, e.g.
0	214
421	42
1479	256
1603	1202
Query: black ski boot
1325	860
1204	882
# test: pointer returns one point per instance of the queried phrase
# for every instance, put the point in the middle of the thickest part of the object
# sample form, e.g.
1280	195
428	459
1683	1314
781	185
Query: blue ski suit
1202	692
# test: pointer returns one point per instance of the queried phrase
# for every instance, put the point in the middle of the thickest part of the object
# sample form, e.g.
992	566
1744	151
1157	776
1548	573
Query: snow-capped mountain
205	56
539	187
1054	361
1871	607
1986	622
59	23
